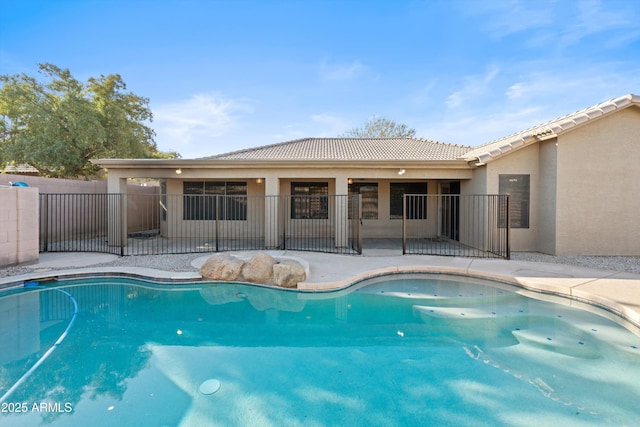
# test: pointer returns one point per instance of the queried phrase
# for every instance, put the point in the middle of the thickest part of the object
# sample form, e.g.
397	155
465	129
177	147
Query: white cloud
340	71
290	132
568	83
318	125
516	90
474	86
525	95
592	19
183	124
559	24
331	125
503	18
477	129
423	94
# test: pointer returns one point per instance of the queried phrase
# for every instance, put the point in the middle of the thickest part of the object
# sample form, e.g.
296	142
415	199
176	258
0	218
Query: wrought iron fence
456	225
138	224
77	222
320	223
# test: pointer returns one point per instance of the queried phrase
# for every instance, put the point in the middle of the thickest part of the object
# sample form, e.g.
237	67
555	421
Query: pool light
209	387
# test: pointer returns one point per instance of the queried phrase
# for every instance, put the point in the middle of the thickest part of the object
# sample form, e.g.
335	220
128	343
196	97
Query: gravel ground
615	263
182	262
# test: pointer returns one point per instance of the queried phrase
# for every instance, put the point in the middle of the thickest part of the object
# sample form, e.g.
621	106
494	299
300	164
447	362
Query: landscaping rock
259	269
288	273
222	267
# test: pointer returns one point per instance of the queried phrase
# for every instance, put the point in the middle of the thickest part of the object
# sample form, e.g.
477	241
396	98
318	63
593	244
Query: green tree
58	125
380	127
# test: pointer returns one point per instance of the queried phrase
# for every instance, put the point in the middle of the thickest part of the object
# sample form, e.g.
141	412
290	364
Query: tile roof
356	149
548	130
21	169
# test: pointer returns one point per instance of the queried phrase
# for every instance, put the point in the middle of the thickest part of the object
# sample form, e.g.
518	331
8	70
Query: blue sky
226	75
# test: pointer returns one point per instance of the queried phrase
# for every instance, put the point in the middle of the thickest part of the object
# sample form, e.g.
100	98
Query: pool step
558	341
453	312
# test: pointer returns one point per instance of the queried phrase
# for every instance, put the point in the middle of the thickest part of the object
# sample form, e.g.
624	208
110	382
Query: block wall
18	226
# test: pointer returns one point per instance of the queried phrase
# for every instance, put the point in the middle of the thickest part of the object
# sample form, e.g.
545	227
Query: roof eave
284	163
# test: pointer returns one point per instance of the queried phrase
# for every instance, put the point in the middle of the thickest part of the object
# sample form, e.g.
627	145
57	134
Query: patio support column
342	212
117	210
271	212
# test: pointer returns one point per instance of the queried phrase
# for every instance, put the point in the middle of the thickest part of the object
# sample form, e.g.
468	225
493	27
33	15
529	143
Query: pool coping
616	292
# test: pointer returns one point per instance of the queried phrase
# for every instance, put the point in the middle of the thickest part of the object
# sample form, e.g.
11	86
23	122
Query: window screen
416	206
309	200
201	198
369	192
518	189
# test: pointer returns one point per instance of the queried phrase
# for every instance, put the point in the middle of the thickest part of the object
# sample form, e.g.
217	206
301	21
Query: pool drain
209	386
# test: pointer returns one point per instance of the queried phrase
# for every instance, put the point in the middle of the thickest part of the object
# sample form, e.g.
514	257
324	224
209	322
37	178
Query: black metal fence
138	224
456	225
77	222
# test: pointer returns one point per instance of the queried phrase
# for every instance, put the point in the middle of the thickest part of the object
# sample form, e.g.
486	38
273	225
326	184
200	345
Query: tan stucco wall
19	228
469	233
175	226
547	205
383	227
598	201
282	173
523	161
477	184
585	188
277	181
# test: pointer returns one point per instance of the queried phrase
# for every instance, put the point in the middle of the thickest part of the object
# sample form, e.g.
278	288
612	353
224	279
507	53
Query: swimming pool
394	350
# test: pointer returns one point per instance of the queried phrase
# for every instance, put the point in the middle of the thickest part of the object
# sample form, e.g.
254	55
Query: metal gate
456	225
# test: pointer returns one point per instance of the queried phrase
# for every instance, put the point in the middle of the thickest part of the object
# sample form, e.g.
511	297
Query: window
518	189
416	206
369	192
200	200
309	200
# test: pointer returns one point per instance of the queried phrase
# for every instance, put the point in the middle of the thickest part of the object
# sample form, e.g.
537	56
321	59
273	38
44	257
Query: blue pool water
402	350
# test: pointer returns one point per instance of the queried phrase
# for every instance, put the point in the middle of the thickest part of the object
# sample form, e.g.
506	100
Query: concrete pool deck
617	292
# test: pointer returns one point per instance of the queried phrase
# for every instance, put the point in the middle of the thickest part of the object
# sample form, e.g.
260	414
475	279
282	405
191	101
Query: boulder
259	268
288	273
222	267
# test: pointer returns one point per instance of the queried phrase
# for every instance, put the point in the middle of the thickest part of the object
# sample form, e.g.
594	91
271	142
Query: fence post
284	211
341	221
217	222
404	224
44	220
359	224
123	222
508	229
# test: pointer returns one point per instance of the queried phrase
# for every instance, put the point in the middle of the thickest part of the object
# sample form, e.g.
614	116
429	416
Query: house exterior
584	180
574	182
